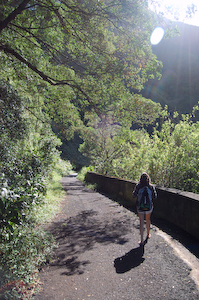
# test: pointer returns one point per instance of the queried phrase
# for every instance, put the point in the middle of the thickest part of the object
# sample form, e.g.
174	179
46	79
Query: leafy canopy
95	50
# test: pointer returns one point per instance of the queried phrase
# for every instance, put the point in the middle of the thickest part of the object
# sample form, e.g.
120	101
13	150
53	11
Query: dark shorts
146	212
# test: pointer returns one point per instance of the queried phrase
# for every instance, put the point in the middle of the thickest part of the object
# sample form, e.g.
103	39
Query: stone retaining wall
178	207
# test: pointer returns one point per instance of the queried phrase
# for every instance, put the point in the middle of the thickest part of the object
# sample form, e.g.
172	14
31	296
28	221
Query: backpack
144	201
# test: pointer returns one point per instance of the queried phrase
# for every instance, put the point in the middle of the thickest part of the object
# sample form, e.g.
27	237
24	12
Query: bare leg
141	217
148	223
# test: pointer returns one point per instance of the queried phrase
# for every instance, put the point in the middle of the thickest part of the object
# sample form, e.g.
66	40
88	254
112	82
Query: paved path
98	257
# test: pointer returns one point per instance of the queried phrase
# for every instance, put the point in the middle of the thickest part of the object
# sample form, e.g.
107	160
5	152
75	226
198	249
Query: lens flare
157	35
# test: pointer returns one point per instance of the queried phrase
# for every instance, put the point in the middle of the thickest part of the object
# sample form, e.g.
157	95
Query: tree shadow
130	260
80	233
70	265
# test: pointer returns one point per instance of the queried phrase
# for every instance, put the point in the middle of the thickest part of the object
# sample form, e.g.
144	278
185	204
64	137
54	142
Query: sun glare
157	35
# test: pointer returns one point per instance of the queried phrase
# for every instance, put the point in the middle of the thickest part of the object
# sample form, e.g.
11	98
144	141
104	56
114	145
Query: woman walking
145	193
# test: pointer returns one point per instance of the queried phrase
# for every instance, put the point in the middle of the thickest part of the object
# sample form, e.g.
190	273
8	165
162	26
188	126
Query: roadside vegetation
169	153
28	246
30	194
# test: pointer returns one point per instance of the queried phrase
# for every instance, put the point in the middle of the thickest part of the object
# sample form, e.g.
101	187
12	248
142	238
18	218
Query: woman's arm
135	192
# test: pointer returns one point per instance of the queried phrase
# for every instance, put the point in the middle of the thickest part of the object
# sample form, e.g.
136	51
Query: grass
51	205
81	176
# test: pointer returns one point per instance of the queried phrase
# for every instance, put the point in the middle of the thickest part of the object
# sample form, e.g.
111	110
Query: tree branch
12	15
11	51
45	77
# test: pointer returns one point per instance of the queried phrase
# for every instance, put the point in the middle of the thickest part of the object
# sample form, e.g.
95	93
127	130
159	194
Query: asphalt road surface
99	258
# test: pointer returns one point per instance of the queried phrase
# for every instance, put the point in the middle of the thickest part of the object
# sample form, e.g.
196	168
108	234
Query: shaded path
98	257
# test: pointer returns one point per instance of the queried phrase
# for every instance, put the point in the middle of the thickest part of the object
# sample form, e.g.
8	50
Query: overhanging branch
45	77
12	15
11	51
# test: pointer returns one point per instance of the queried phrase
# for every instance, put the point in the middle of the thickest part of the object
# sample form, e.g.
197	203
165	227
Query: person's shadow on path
130	260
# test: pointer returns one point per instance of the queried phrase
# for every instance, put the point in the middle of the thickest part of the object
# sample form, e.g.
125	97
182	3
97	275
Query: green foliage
170	155
28	158
174	161
26	162
109	141
50	205
22	254
20	257
63	168
10	208
101	143
28	246
82	173
11	113
74	57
